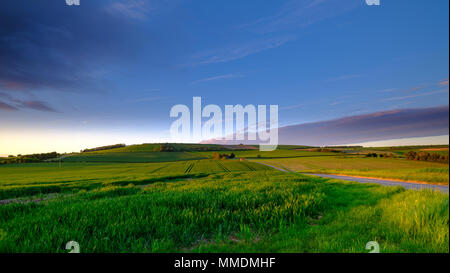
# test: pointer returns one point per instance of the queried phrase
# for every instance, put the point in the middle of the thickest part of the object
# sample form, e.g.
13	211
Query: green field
272	154
29	179
111	201
141	155
130	157
387	168
238	207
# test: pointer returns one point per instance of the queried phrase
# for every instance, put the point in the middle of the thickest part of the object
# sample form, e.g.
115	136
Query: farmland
28	179
147	153
252	210
131	157
387	168
182	201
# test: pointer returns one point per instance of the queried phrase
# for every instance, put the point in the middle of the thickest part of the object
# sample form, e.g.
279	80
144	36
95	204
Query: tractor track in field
158	169
189	167
248	166
222	166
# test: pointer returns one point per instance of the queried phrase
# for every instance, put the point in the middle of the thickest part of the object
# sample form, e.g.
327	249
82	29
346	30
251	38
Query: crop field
228	211
398	150
439	149
151	201
107	156
30	179
143	153
152	147
270	154
401	169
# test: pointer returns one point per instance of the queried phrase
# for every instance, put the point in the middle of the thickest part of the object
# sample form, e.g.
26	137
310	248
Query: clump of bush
424	156
218	156
380	155
165	147
324	150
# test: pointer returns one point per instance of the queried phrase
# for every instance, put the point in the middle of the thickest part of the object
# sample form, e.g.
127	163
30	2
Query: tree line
424	156
102	148
31	158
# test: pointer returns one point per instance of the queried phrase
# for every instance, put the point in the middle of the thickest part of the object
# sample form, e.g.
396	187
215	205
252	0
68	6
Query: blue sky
109	71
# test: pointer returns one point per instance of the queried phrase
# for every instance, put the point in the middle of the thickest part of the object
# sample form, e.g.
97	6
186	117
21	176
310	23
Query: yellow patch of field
434	149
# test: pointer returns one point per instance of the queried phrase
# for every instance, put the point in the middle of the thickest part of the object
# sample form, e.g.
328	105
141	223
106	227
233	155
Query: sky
109	71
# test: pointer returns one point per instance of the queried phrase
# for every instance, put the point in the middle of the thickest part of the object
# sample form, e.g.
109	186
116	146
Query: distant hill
159	147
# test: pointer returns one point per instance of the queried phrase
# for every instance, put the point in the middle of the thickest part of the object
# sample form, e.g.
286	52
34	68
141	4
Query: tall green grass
257	211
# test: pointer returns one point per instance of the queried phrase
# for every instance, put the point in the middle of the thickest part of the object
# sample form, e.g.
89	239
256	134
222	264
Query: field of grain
143	201
41	178
270	154
242	211
399	168
131	157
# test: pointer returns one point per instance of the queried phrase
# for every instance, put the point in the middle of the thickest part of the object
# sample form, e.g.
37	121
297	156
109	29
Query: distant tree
372	155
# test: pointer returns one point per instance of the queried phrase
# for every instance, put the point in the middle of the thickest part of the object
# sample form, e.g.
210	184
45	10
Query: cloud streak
133	9
392	124
215	78
6	107
299	14
231	53
38	105
416	95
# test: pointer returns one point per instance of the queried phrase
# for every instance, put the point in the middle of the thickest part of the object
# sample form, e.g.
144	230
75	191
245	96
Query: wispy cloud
344	77
38	105
5	106
417	95
443	82
388	90
291	16
134	9
397	123
147	99
14	104
300	13
231	53
215	78
289	107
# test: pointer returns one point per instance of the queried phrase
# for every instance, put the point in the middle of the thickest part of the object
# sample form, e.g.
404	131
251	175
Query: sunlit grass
257	211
